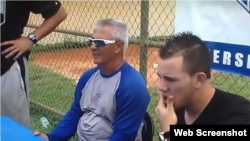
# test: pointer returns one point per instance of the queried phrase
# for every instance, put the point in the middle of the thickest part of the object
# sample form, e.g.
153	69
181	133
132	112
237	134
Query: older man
15	51
111	99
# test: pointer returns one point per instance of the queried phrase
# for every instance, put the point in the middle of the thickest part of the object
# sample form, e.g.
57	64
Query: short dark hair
196	55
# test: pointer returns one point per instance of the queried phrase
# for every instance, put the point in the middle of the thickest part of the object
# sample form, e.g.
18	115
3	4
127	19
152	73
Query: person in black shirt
15	51
186	95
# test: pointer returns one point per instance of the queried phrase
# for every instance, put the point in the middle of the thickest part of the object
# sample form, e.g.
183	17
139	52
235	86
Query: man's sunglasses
100	42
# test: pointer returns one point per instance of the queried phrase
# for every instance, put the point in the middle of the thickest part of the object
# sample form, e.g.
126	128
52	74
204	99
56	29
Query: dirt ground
72	63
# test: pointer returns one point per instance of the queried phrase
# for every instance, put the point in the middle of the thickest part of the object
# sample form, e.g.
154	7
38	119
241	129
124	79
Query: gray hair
120	30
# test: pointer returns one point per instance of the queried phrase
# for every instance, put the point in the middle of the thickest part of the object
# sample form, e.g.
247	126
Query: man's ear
119	46
199	78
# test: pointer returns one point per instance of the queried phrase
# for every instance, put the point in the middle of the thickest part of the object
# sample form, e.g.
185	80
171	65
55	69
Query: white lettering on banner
227	58
216	56
239	57
248	61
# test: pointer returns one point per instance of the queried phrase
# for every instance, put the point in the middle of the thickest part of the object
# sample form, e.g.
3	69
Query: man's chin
96	61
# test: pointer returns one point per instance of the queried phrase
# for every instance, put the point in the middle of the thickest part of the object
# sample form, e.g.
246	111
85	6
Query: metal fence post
144	36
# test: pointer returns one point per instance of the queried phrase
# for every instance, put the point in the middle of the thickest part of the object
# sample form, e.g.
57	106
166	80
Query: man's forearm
50	24
67	127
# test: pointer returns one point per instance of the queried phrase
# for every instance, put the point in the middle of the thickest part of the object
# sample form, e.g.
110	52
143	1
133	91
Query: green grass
50	88
35	119
233	83
37	113
56	91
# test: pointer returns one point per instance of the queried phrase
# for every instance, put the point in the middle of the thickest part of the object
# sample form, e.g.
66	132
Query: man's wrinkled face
103	46
173	80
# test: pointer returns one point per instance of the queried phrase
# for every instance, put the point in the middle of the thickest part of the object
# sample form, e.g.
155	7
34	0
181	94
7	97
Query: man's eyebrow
169	77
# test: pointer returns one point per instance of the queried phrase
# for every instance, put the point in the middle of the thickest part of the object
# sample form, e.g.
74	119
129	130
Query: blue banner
230	58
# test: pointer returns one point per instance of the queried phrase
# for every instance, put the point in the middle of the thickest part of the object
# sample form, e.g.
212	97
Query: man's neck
112	66
200	101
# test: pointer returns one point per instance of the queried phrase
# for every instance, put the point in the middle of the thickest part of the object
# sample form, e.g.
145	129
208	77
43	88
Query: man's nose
162	89
93	47
162	86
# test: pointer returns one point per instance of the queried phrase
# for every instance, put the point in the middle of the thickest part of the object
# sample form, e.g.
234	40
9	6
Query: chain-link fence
59	60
